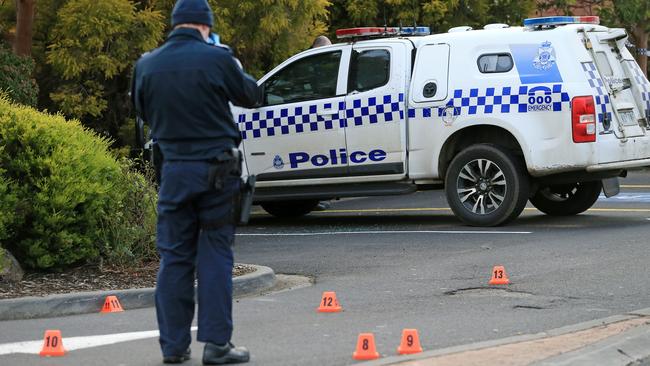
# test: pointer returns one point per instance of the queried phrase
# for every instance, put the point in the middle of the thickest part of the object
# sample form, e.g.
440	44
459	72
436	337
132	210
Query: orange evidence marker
499	276
410	342
366	347
329	303
52	344
111	305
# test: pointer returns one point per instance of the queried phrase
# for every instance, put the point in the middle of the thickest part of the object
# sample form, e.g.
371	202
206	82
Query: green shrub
132	228
74	202
7	208
7	212
16	77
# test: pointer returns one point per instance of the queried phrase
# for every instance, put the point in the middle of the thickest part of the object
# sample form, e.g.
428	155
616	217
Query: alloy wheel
481	186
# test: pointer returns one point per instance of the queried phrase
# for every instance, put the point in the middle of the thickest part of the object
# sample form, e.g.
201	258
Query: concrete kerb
90	302
396	360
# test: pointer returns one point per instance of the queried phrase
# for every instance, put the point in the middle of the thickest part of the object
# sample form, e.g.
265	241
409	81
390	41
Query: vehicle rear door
375	110
640	86
618	99
291	136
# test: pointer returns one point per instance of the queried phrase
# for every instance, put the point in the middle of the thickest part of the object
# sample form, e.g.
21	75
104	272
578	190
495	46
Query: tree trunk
24	27
641	38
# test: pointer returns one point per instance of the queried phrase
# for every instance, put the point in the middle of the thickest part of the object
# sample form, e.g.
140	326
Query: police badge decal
278	163
545	58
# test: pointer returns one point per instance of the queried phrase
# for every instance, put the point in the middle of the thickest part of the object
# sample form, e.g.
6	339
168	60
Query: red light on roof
588	19
365	32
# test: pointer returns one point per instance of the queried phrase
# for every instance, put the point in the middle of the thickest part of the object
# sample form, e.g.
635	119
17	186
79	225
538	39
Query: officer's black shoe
178	359
214	354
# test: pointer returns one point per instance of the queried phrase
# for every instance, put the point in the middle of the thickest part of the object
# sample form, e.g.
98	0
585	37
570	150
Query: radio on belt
541	112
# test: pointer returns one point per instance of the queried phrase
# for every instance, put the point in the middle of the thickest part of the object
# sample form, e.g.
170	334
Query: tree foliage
7	18
440	15
434	13
94	43
7	208
273	30
511	11
264	33
16	77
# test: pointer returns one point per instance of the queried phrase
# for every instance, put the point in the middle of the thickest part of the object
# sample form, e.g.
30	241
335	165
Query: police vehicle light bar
382	31
560	20
364	32
414	31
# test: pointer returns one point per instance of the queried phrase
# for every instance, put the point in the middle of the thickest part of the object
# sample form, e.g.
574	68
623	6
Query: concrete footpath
90	302
620	340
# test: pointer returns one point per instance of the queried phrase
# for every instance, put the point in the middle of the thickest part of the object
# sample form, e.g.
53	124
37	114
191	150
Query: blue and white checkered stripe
603	106
506	99
285	121
643	83
303	119
371	110
390	108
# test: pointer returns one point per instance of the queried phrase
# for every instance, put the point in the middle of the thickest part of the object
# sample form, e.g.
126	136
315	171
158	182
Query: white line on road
464	232
75	343
627	197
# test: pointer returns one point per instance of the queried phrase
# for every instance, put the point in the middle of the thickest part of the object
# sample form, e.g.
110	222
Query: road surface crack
492	291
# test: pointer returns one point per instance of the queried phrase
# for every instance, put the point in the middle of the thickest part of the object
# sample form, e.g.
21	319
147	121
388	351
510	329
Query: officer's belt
188	146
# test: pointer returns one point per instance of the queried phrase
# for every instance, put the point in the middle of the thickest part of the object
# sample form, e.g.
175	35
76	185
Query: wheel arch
477	134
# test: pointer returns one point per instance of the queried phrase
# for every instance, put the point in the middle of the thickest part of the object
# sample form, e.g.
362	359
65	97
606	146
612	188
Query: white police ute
552	112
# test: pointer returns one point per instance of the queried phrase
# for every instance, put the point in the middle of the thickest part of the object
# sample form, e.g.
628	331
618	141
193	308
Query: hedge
65	199
16	78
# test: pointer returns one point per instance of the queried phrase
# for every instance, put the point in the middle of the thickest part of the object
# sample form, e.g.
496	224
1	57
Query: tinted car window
368	70
313	77
495	63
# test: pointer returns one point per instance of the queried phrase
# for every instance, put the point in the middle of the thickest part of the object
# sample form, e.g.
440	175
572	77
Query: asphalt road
405	262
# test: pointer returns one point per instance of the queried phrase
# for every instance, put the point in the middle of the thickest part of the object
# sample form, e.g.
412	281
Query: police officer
182	90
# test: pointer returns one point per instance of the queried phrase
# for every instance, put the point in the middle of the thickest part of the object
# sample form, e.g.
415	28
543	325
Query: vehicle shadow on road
436	221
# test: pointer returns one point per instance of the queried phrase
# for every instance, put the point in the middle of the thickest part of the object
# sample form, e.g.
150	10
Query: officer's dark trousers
186	207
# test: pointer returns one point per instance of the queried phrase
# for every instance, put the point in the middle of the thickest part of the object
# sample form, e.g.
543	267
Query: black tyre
567	199
486	185
290	208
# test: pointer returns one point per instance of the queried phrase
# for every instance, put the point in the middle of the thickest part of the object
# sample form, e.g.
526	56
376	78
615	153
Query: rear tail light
583	119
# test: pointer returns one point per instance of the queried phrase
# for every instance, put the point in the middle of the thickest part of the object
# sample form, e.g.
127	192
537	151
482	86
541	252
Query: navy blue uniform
182	90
